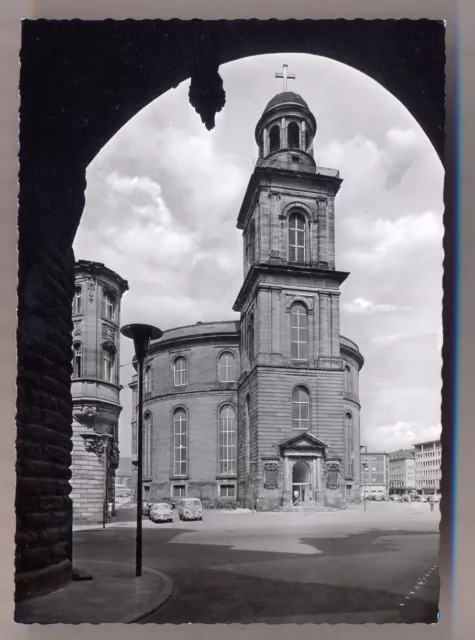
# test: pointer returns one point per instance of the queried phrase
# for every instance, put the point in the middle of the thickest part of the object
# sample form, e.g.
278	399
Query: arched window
180	371
108	305
293	136
300	408
347	379
299	332
147	379
251	244
227	367
77	360
108	364
227	440
296	238
180	443
349	444
274	138
147	446
250	336
77	304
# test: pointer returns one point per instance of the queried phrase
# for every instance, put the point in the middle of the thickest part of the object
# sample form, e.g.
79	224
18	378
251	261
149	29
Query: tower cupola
287	128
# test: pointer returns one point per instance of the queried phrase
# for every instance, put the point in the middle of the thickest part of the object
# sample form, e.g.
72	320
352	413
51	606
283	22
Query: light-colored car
161	512
189	509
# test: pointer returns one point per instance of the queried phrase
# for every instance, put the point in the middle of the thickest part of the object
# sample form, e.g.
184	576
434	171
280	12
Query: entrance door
300	483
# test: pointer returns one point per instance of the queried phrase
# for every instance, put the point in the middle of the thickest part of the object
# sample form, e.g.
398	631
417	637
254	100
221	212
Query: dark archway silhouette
80	82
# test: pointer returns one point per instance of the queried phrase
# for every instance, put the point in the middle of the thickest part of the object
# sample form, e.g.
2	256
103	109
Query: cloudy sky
162	202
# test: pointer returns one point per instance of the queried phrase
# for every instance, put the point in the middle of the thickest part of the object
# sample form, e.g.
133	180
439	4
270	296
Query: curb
153	604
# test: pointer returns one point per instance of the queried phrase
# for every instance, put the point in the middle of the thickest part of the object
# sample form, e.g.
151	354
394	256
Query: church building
265	410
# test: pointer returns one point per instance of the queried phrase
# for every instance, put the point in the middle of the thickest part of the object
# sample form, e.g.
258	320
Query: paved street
351	566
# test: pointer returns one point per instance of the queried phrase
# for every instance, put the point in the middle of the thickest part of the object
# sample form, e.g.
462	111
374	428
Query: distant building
374	474
402	471
95	388
428	456
124	472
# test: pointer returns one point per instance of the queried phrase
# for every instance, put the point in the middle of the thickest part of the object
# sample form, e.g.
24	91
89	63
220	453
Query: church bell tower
291	442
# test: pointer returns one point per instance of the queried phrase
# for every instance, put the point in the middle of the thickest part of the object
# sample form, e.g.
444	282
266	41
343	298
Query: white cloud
396	436
362	306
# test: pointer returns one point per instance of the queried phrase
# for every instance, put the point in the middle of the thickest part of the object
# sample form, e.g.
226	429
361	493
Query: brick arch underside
80	83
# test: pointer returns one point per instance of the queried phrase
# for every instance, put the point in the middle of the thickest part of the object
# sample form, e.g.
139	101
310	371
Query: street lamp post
141	334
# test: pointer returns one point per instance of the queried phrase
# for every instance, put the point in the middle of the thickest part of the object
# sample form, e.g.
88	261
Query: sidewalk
114	595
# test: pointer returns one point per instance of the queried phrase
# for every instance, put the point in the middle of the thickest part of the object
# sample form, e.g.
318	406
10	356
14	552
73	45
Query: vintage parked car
161	512
189	509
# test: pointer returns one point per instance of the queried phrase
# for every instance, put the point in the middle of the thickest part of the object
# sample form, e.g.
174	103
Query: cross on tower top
285	75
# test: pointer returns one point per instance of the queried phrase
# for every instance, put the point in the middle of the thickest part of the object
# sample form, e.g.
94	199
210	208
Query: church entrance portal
300	483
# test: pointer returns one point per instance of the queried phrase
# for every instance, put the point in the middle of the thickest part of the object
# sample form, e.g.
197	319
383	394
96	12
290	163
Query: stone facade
294	395
95	389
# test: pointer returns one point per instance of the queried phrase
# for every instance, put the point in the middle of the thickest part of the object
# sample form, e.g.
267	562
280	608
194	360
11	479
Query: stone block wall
43	507
88	484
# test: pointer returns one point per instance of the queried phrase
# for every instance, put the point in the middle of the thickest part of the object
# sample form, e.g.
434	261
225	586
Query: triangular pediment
303	441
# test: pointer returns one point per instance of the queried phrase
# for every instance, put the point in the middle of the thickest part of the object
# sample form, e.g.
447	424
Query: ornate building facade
265	410
95	389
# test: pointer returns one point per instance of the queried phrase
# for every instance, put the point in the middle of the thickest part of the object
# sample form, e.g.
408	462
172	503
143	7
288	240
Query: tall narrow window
299	332
251	244
180	372
293	136
347	379
147	446
274	138
108	305
307	140
180	447
147	379
300	408
349	444
108	362
77	304
227	367
77	360
250	336
227	440
296	238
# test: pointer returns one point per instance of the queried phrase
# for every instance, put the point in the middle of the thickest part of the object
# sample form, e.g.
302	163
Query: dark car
146	508
168	501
